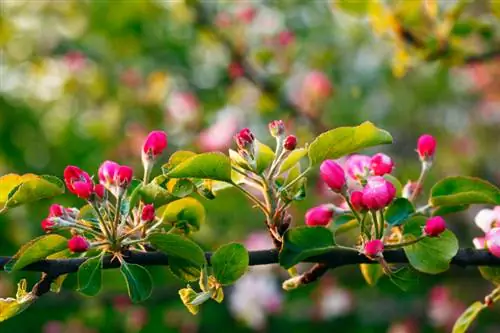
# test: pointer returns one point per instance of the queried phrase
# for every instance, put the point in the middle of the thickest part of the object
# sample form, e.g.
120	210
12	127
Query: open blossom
319	215
373	249
378	193
479	242
333	175
487	219
358	166
426	147
493	241
381	164
434	226
82	189
78	181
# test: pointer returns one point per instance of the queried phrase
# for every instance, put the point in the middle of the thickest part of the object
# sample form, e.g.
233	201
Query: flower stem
420	181
354	212
103	224
375	223
403	244
299	177
253	198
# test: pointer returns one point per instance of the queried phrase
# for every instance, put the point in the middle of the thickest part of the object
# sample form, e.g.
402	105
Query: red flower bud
155	144
426	147
100	190
124	176
434	226
72	175
82	189
290	142
381	164
319	215
277	128
56	210
107	172
373	249
333	175
378	193
47	224
148	213
78	244
244	139
357	201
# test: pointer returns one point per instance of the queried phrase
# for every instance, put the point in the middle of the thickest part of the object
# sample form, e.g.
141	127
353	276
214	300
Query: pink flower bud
381	164
244	139
155	144
100	190
378	193
72	175
124	176
246	14
373	249
317	85
56	210
357	201
426	147
82	189
358	166
286	37
479	242
493	241
107	172
148	213
235	70
319	215
333	175
290	142
47	224
277	128
78	244
434	226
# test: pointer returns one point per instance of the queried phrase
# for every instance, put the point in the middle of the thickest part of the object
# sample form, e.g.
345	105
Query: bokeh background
85	81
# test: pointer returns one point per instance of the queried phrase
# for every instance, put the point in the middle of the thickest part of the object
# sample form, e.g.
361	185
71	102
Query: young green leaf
456	191
292	159
341	141
139	283
176	158
37	249
184	269
187	214
466	318
430	255
90	276
178	246
303	242
229	263
399	211
371	272
216	166
264	156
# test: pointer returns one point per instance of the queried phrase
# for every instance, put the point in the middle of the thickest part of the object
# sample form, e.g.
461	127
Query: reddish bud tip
381	164
434	226
56	210
47	224
124	176
100	190
319	216
373	249
148	213
357	201
244	139
426	146
155	144
378	193
333	175
78	244
290	142
277	128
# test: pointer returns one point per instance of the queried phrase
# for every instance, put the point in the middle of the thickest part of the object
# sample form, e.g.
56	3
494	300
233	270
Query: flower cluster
488	220
108	223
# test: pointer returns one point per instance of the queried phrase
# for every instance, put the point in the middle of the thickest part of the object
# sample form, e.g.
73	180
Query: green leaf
371	272
183	269
229	263
264	156
181	187
187	214
9	307
216	166
187	296
353	7
454	191
35	250
399	211
178	246
153	193
344	223
404	278
341	141
394	181
292	159
466	318
490	273
430	255
139	283
56	285
445	210
303	242
90	276
17	190
177	158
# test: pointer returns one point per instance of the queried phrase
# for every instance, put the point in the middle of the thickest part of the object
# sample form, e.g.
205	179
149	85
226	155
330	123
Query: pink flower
100	190
434	226
148	213
183	107
56	210
487	219
155	144
493	241
319	215
286	37
219	135
74	175
246	14
373	249
358	166
426	146
244	139
333	175
276	128
47	224
78	244
356	199
107	172
381	164
479	242
378	193
290	142
124	175
75	60
317	85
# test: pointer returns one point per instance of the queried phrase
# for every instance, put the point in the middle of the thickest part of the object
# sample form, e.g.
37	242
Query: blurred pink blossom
443	309
183	107
219	135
